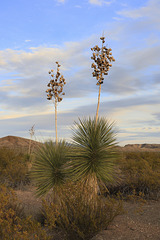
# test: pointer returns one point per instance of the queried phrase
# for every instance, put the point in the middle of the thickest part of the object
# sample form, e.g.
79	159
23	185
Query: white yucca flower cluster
102	58
56	85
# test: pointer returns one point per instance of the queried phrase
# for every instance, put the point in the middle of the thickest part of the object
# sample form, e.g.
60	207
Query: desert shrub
13	167
141	174
12	225
78	218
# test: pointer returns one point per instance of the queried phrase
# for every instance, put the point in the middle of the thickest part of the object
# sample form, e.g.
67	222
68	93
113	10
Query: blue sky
35	34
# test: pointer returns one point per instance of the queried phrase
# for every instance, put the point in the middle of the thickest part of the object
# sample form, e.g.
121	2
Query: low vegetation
13	168
13	225
77	218
140	174
76	215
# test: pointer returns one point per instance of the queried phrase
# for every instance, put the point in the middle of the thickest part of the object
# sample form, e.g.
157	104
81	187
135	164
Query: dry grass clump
13	168
77	216
141	174
13	226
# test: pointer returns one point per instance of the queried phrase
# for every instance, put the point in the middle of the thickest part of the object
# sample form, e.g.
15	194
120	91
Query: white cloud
26	90
134	117
78	6
27	40
27	87
151	11
61	1
100	2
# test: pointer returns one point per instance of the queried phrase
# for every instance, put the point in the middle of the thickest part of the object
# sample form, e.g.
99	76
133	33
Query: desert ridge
23	143
17	142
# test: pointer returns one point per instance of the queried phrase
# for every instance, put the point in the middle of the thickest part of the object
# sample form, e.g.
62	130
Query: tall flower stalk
102	62
31	132
55	90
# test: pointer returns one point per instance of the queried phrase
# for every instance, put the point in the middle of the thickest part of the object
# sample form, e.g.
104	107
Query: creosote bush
13	167
141	174
13	226
77	218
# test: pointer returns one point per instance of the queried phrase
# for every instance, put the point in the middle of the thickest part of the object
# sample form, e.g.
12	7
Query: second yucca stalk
102	58
31	132
56	90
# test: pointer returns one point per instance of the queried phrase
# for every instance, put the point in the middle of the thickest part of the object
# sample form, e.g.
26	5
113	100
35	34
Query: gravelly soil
137	223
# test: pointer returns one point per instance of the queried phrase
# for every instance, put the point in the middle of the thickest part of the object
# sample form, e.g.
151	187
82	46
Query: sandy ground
138	222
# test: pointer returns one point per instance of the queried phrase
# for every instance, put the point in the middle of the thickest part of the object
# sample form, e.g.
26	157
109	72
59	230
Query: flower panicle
102	61
56	85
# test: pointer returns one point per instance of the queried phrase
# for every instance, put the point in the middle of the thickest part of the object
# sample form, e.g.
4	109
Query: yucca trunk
98	104
56	120
90	191
94	188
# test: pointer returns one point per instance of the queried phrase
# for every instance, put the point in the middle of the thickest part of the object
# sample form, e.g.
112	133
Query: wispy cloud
151	11
61	1
78	6
100	2
27	40
27	88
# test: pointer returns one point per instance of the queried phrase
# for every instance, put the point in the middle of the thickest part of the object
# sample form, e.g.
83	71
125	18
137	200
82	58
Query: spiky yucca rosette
94	153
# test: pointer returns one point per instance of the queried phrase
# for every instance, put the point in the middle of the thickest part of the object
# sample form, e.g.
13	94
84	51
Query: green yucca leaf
94	152
48	170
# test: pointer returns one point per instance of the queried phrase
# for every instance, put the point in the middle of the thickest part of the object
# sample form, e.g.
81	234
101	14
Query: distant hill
17	143
141	147
23	143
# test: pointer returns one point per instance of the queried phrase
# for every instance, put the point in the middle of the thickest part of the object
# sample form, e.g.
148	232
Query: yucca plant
94	152
48	170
